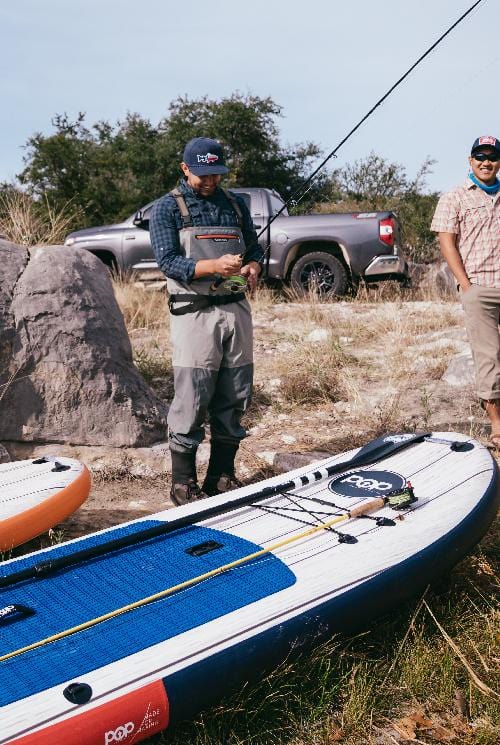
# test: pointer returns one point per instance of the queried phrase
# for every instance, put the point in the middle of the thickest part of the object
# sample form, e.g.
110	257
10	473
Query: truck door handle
257	226
130	238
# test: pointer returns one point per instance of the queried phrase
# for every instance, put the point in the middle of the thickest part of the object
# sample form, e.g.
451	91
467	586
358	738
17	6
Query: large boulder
66	371
434	276
13	260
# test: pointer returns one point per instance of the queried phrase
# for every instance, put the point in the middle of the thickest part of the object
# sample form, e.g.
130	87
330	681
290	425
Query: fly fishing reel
401	499
234	284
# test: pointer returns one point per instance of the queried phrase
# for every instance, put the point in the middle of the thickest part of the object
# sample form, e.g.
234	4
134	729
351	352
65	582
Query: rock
460	372
67	354
105	462
13	261
268	456
437	275
203	454
4	455
445	281
318	335
418	272
283	462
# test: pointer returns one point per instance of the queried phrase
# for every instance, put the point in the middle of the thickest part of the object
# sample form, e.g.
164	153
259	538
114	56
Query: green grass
153	365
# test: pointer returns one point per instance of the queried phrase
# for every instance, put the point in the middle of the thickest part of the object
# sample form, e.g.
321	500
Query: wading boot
219	485
220	473
184	489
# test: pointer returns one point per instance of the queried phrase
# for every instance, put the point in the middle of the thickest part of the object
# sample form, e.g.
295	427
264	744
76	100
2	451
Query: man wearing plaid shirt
468	222
205	242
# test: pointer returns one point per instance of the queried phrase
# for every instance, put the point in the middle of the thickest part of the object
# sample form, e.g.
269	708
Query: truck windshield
276	205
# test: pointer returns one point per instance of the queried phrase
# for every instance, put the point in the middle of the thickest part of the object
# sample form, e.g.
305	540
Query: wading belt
200	302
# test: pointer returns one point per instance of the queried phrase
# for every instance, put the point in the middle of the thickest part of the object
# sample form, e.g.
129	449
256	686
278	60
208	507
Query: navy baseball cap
485	141
204	157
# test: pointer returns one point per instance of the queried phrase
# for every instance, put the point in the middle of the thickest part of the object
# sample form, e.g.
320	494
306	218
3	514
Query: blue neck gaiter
488	189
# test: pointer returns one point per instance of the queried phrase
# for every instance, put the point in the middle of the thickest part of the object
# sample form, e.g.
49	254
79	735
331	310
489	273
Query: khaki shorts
482	314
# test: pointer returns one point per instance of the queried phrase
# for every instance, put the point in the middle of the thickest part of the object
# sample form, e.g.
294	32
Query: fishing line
452	93
297	195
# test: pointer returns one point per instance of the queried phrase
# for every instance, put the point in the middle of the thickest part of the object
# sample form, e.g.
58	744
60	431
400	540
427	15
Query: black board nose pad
78	693
59	467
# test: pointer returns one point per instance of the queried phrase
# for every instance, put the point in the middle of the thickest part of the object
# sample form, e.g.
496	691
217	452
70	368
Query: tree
107	172
373	183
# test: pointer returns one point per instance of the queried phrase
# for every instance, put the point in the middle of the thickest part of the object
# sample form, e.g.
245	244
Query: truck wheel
319	272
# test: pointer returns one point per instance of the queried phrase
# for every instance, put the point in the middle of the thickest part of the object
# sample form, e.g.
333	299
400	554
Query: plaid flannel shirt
166	222
474	217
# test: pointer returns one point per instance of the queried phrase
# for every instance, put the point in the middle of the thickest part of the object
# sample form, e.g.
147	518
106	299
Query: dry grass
30	223
314	374
142	309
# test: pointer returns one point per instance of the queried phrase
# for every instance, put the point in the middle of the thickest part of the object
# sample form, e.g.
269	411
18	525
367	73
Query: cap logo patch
487	140
208	158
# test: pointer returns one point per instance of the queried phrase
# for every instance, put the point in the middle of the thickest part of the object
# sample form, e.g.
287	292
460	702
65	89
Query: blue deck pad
93	588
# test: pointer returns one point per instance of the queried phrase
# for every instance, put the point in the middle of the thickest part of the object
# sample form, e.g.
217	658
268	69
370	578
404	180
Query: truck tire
319	272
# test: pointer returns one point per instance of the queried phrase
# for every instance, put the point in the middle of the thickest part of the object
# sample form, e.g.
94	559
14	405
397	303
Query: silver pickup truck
327	252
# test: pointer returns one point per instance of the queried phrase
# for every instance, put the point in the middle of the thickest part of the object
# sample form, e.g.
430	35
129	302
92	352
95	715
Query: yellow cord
361	509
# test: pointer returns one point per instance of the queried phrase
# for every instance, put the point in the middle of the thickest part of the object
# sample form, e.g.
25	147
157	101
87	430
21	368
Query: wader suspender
199	302
186	216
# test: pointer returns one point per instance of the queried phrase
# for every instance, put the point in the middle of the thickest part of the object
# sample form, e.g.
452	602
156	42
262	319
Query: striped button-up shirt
474	217
166	222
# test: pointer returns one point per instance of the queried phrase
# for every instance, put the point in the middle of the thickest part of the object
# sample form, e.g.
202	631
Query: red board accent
126	720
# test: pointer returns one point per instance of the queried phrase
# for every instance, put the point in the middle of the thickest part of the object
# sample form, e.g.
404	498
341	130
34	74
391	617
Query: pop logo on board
366	483
119	734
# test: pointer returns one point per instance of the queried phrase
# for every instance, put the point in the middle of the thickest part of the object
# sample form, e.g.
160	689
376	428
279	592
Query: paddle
376	450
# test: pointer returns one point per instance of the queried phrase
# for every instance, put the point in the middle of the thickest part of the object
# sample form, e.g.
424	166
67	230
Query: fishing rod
301	190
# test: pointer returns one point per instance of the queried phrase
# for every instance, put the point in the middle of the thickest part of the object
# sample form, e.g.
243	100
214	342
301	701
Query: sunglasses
493	157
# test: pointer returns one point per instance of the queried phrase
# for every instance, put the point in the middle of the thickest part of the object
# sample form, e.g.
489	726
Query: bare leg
492	408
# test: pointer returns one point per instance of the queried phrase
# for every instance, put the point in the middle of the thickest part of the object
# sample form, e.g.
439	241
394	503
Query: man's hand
228	264
251	273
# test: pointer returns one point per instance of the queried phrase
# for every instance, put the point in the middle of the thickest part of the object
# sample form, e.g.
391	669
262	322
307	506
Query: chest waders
212	354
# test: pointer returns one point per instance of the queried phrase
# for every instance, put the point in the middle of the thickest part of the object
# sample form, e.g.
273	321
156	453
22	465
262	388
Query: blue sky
326	63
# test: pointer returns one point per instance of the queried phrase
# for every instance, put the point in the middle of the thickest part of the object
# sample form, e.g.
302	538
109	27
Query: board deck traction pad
150	566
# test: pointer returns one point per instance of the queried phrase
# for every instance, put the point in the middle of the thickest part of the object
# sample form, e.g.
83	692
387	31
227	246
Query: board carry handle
14	612
381	447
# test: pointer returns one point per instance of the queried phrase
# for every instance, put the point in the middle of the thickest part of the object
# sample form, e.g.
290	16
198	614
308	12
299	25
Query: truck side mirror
140	221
